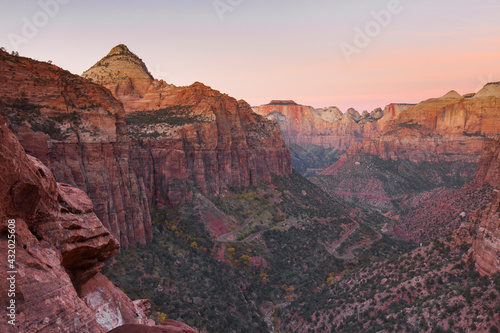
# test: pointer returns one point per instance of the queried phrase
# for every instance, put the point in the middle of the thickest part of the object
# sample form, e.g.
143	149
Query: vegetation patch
174	116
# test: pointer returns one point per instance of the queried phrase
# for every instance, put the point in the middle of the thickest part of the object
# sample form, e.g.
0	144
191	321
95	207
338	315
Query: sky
346	53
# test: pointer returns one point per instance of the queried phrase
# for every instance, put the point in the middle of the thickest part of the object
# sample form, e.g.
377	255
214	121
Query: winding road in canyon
349	255
233	235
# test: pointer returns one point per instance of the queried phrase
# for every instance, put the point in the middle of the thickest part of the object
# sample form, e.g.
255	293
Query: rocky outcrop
451	129
78	130
485	249
125	74
485	224
192	137
329	127
60	246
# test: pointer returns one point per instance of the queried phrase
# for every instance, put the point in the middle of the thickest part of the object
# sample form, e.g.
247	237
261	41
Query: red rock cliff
449	128
415	165
78	130
190	136
60	246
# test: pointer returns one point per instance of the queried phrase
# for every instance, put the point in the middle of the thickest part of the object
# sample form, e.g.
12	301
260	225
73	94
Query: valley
232	218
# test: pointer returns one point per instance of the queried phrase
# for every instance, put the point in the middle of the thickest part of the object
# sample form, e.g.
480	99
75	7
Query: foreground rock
168	326
60	247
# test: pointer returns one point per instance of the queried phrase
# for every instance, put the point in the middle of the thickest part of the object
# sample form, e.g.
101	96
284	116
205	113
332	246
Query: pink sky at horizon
263	50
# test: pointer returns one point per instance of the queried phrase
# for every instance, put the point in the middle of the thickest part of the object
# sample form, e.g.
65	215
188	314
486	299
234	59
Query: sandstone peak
491	89
120	49
353	114
330	114
377	113
452	94
121	71
200	85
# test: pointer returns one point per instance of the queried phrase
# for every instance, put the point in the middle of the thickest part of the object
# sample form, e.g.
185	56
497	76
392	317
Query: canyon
184	198
415	163
328	127
431	147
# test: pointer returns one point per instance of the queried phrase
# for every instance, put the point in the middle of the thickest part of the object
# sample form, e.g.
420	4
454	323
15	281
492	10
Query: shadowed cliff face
60	245
183	139
485	223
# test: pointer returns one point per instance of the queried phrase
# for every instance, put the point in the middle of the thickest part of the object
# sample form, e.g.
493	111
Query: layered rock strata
59	246
418	167
329	127
449	128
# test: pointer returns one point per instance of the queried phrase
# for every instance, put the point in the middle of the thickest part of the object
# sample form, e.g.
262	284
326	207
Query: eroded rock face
206	140
111	306
485	223
450	131
449	128
485	249
60	244
418	167
329	127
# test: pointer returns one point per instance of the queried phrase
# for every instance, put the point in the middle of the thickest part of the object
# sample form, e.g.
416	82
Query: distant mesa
491	89
282	102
